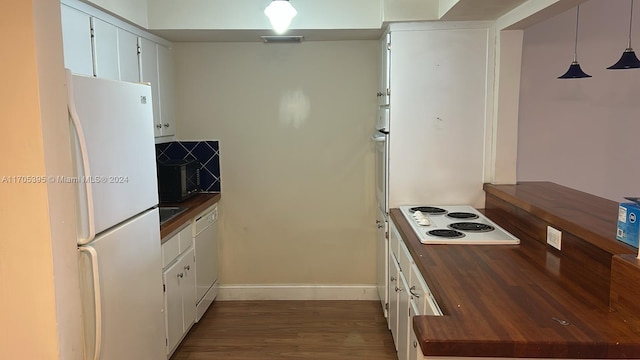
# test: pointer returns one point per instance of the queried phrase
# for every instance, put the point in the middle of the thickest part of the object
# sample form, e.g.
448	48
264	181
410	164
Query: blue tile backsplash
207	152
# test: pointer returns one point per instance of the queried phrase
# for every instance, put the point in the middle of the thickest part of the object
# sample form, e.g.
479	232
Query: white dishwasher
205	240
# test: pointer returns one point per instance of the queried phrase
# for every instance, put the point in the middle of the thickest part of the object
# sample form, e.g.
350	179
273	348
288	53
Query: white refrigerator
119	250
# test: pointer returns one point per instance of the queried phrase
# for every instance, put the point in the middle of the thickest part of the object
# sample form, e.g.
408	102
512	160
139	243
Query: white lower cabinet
394	297
179	287
409	296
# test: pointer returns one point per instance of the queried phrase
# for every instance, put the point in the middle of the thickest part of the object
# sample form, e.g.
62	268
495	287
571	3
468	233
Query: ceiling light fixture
575	72
280	13
628	60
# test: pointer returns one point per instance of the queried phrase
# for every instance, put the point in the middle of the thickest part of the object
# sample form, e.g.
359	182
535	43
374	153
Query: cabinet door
384	91
128	56
415	352
76	41
105	45
382	262
403	318
188	283
172	278
149	73
165	90
394	272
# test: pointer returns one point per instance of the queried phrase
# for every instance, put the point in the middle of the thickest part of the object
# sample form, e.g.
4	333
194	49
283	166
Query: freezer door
116	124
129	273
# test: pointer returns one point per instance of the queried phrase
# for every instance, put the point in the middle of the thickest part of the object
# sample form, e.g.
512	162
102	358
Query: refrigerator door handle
97	298
73	114
378	137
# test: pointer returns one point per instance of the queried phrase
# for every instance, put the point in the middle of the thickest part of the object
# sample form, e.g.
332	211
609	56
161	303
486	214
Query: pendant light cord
630	23
575	48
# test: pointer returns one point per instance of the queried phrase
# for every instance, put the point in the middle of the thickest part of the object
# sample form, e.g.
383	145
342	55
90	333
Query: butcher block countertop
194	205
519	300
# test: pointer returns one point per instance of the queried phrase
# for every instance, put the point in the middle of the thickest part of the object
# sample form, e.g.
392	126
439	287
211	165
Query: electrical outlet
554	237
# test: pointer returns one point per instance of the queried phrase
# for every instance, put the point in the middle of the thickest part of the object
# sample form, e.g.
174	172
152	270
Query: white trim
297	292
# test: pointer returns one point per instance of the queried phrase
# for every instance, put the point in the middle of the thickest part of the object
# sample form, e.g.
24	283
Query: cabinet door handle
180	275
411	290
393	278
159	126
166	125
415	344
187	267
398	289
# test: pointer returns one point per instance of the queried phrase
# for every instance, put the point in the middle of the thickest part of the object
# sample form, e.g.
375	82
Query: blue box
628	223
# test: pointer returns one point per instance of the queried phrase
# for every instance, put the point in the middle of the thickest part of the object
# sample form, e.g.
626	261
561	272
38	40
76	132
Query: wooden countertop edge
486	345
195	206
604	242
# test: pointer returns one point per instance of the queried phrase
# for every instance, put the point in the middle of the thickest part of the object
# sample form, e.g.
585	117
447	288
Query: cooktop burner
471	226
462	225
446	233
429	210
462	215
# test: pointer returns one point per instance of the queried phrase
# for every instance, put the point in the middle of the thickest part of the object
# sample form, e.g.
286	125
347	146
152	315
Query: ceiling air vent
280	39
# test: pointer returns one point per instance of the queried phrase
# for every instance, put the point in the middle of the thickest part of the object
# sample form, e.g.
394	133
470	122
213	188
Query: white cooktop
467	229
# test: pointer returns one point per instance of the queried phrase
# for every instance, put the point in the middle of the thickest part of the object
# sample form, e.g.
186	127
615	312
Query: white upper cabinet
105	41
165	79
156	63
76	41
149	73
128	53
98	44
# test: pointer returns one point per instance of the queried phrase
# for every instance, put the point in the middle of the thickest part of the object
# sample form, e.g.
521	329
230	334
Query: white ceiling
462	10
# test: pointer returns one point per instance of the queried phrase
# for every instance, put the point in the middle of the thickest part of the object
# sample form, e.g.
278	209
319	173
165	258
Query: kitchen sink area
169	212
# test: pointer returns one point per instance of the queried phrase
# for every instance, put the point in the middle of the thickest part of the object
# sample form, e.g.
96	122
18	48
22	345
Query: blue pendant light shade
575	72
628	60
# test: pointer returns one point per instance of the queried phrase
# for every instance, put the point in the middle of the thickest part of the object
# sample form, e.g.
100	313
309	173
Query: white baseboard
297	292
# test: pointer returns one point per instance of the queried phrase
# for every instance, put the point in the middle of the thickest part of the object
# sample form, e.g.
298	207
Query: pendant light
280	13
575	72
628	60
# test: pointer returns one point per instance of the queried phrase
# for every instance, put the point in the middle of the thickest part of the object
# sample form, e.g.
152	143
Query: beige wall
581	133
297	163
39	318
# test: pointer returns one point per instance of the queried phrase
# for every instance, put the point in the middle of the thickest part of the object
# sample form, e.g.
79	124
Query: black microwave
178	180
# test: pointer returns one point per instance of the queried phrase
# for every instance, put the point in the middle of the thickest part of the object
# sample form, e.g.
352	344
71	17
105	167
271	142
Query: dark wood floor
327	330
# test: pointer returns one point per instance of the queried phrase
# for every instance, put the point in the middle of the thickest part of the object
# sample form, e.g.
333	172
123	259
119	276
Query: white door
76	41
129	268
116	121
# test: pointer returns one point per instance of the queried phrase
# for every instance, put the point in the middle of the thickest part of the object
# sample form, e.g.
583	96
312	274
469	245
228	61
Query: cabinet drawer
394	239
170	250
176	245
404	258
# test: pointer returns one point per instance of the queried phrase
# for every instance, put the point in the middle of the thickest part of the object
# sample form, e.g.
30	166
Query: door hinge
386	306
389	46
138	49
164	288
